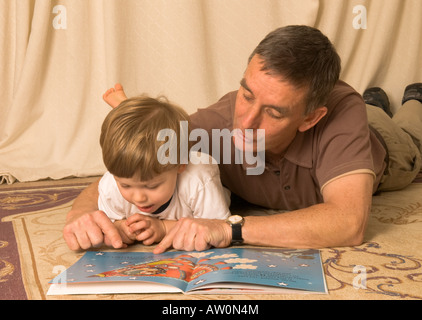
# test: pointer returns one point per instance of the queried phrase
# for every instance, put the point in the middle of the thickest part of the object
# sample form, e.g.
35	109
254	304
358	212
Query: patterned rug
25	200
387	266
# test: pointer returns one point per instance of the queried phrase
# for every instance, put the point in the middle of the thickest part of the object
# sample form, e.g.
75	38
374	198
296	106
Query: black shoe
413	92
378	98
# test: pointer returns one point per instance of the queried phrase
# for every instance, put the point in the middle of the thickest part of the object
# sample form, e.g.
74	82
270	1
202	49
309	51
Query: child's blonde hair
129	137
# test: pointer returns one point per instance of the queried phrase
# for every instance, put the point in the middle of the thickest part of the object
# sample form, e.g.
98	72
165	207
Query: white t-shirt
198	194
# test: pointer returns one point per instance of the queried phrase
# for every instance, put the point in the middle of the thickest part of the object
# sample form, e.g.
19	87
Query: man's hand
91	230
196	234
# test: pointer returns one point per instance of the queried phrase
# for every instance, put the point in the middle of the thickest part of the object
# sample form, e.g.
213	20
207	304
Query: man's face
266	102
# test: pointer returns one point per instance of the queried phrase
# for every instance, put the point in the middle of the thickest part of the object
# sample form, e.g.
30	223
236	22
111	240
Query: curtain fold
59	56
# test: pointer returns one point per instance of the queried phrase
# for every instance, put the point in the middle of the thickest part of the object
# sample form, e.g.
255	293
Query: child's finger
144	235
133	218
136	217
139	226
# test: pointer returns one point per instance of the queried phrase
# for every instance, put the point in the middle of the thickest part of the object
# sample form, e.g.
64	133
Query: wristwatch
236	222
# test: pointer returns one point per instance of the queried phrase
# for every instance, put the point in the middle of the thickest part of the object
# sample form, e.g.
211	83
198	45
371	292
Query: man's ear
313	118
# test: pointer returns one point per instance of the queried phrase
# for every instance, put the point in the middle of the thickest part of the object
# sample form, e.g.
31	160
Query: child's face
149	195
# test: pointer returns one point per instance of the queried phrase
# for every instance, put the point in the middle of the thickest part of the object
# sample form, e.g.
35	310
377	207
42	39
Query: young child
143	197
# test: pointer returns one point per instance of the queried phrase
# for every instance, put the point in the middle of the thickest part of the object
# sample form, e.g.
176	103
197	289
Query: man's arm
86	226
86	201
339	221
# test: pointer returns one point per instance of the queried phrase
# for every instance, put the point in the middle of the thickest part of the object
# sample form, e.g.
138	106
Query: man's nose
252	118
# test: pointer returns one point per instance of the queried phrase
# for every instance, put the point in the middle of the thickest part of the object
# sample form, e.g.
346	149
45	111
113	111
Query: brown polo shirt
341	143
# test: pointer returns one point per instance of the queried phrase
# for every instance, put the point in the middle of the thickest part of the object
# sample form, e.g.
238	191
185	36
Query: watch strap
237	234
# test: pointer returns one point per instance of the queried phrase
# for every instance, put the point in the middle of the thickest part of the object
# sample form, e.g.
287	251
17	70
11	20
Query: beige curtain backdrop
58	57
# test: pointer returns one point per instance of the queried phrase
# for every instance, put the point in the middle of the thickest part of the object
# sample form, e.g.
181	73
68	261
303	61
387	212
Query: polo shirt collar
299	152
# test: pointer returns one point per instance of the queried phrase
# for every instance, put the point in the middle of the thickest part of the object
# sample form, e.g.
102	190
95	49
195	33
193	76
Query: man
322	160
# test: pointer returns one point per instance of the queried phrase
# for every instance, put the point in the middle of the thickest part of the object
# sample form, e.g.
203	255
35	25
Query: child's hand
127	236
147	229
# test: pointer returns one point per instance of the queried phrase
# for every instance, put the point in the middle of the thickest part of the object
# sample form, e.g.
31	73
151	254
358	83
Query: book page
278	268
100	269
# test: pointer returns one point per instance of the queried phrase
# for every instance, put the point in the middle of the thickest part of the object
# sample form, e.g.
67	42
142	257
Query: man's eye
247	98
274	113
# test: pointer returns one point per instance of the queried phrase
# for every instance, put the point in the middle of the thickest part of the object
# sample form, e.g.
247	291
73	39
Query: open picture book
215	271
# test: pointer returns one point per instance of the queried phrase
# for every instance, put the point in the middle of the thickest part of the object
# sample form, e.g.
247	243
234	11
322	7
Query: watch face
236	219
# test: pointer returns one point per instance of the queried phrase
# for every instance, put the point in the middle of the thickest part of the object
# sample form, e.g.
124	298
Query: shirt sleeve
343	143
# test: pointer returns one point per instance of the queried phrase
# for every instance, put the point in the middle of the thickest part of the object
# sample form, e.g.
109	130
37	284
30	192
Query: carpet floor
388	265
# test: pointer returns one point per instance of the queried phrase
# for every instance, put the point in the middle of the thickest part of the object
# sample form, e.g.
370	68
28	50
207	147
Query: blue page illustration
172	268
283	268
